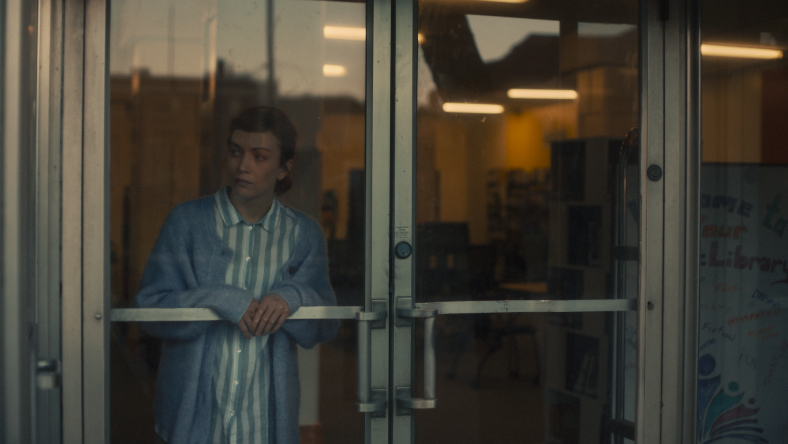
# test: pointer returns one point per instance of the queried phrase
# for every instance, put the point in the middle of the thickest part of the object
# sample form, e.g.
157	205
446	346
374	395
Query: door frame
670	212
18	228
669	53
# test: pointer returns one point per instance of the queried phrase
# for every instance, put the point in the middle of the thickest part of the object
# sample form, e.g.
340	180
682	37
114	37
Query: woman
254	262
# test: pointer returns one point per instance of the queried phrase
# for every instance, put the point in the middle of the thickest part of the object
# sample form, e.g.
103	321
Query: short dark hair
262	119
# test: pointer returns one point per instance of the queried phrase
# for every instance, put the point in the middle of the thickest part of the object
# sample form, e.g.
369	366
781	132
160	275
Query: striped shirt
242	369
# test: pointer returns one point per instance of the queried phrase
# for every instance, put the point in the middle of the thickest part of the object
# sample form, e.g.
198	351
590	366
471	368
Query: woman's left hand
272	312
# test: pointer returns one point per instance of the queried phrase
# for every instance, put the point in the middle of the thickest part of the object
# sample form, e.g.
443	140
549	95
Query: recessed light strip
474	108
555	94
344	33
334	70
743	52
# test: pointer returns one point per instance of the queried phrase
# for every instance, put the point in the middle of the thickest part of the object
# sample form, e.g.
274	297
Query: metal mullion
95	226
377	208
650	306
403	217
692	158
17	329
49	96
71	248
674	225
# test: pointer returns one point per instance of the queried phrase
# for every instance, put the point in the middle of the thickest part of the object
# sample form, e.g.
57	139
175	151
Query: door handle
405	400
47	374
369	400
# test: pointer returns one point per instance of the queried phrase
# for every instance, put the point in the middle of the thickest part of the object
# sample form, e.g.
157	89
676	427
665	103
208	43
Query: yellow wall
528	134
525	148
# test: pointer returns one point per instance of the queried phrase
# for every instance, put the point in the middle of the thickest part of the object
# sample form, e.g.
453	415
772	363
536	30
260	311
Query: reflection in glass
499	379
742	326
179	72
521	123
526	189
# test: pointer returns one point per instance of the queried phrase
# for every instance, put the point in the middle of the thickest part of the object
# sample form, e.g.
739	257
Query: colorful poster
743	333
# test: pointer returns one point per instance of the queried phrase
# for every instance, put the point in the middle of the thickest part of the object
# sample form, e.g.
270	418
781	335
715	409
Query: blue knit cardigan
187	269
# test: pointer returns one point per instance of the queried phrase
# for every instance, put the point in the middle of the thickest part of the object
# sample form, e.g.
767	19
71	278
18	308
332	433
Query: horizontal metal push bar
206	314
351	312
545	306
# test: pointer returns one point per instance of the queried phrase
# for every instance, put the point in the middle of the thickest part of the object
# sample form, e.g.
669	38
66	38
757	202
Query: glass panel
522	180
742	327
180	71
519	378
527	167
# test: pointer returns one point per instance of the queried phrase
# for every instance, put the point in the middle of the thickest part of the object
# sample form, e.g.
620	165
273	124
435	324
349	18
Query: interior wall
732	117
528	134
341	142
456	154
774	137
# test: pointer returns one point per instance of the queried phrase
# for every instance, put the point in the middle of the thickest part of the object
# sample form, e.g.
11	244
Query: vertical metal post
17	241
668	288
674	216
49	99
95	226
403	217
270	51
377	201
650	307
71	248
692	158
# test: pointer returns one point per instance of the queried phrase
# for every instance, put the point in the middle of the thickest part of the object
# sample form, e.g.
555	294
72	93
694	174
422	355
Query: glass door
516	222
473	169
179	74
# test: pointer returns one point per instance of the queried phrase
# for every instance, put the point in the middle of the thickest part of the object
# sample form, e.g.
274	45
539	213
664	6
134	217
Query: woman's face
253	165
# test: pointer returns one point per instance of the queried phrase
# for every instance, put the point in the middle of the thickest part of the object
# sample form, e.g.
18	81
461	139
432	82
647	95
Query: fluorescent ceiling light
334	70
558	94
477	108
344	33
743	52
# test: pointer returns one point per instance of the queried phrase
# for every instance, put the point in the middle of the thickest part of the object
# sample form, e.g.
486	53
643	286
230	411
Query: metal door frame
18	230
670	134
667	310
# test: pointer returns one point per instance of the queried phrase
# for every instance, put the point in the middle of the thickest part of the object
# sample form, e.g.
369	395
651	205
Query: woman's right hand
247	323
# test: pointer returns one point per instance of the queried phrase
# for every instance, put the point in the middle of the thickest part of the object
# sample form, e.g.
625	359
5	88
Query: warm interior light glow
334	70
745	52
559	94
478	108
420	37
344	33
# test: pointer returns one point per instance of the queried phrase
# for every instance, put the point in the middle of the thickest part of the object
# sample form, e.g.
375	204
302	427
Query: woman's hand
272	312
246	323
264	316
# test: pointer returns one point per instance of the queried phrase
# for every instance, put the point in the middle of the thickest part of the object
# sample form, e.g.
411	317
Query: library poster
743	333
